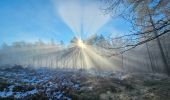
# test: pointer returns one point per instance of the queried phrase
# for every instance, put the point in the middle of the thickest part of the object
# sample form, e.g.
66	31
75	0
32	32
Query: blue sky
30	20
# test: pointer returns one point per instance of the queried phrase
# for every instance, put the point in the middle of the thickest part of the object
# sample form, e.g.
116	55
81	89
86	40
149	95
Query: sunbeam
84	50
83	19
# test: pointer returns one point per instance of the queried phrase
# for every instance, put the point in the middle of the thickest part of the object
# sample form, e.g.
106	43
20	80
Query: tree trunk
152	66
164	60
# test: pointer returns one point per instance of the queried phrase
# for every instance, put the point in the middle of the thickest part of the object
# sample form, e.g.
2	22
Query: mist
84	50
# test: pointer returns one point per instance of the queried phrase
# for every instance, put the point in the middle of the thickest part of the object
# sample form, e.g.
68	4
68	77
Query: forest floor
18	83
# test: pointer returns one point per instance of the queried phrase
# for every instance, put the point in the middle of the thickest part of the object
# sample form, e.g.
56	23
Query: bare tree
149	18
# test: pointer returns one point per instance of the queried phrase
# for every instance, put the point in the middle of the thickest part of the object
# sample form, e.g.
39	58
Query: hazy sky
30	20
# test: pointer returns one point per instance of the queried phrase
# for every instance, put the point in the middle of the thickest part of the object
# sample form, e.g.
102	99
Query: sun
80	43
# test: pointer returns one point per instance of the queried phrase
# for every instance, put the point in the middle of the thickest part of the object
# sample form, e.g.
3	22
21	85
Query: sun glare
80	43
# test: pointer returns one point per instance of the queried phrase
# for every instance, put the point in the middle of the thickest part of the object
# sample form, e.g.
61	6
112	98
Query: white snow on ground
58	95
21	94
5	94
40	77
57	84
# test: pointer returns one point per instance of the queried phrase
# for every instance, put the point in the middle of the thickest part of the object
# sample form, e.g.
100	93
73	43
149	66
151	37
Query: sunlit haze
84	49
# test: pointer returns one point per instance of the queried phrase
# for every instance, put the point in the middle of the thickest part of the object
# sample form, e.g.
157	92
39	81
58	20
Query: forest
105	50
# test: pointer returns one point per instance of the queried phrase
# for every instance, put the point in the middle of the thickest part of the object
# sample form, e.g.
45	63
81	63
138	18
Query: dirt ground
18	83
